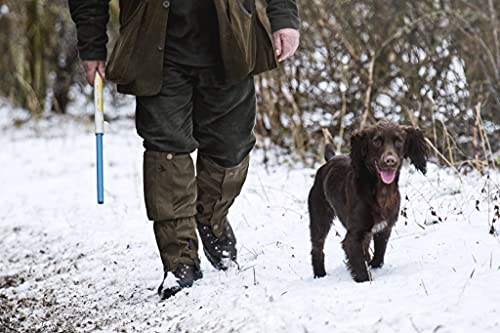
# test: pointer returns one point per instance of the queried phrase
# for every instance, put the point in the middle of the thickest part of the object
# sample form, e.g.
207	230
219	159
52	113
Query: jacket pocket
240	15
120	68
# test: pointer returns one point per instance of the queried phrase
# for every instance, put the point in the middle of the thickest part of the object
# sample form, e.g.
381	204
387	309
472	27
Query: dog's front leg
354	246
380	245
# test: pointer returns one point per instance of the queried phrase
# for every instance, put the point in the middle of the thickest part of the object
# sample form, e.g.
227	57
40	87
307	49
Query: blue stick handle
100	169
99	132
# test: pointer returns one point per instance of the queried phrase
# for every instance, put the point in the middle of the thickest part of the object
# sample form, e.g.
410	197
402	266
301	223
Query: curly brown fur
362	191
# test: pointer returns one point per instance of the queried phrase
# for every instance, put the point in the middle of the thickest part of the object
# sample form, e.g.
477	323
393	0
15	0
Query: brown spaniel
362	191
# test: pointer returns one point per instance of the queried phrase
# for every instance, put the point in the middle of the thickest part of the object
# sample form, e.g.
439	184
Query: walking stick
99	132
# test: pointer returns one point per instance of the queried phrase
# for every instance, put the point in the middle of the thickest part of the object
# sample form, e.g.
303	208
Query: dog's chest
386	209
379	226
387	201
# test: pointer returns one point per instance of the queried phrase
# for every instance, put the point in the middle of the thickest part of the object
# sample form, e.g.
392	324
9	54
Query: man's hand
286	42
91	67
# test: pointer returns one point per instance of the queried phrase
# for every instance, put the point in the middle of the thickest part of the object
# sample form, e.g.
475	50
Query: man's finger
91	67
277	42
90	74
286	51
285	56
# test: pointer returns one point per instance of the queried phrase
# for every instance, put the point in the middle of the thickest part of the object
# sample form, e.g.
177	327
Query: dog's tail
329	151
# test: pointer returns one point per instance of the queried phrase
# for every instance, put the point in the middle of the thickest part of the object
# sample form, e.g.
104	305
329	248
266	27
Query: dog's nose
390	161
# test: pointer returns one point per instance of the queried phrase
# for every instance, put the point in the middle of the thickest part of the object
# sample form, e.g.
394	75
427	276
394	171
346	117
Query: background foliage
430	63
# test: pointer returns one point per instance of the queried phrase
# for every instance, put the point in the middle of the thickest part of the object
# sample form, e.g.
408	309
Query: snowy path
68	265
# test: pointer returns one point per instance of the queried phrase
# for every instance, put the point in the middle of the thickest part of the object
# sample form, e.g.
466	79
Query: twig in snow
429	142
252	252
425	289
466	283
245	219
421	226
287	209
263	188
295	272
437	328
369	271
414	326
244	269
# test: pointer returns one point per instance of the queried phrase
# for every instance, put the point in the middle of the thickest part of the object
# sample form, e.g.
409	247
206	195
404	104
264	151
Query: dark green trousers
193	110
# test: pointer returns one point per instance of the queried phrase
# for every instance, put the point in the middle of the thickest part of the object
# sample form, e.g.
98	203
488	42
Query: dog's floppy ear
359	149
416	148
329	152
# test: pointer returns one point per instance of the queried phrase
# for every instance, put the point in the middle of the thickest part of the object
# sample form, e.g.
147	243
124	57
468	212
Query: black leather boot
184	275
220	251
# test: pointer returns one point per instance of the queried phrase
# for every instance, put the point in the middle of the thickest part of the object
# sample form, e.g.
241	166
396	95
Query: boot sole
169	292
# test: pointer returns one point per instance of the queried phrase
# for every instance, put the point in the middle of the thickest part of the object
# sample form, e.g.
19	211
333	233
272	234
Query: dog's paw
376	263
319	274
361	278
361	275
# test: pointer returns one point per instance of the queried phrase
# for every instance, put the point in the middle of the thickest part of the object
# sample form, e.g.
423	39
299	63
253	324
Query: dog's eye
377	141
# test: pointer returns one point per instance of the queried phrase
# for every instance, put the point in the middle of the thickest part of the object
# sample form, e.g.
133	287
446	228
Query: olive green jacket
136	60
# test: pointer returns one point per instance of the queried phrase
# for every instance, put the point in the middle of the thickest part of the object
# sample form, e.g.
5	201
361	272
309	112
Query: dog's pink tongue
388	175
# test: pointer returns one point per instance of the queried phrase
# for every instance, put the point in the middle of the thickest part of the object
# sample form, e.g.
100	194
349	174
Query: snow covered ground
70	265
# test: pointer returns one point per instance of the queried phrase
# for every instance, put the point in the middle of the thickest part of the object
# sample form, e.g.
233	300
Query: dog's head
381	148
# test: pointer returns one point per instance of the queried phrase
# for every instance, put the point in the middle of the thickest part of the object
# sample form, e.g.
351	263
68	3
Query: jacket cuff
93	54
92	40
283	22
283	15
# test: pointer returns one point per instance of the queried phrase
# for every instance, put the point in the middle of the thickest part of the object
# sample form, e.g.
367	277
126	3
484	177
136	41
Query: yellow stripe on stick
99	86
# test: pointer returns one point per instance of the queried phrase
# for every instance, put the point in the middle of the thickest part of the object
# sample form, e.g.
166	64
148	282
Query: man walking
191	65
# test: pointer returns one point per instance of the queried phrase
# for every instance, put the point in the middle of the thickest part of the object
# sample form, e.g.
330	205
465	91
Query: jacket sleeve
283	14
91	18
